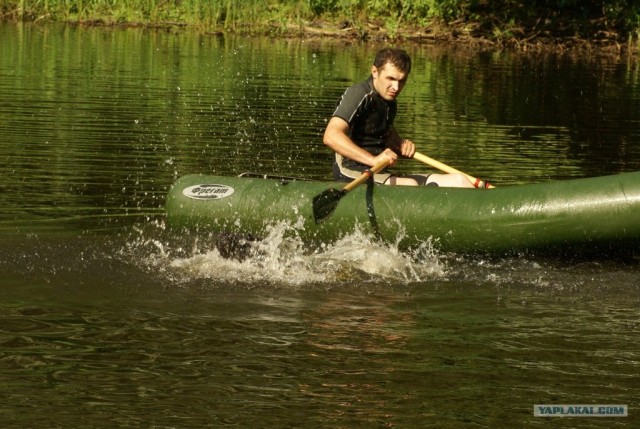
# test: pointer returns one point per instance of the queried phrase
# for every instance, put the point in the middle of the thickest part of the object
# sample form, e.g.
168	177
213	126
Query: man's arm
336	136
399	145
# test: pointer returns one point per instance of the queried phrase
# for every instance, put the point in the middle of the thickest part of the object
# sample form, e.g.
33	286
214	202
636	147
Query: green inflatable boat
580	214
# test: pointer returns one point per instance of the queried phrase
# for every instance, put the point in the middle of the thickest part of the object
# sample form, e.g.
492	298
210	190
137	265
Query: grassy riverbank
520	24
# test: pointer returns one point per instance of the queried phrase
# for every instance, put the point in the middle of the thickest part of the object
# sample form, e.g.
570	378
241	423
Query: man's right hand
388	154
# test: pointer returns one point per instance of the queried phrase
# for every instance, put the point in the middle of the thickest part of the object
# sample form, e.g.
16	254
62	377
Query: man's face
388	81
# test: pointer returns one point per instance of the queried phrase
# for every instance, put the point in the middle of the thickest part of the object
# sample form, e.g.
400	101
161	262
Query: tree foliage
581	18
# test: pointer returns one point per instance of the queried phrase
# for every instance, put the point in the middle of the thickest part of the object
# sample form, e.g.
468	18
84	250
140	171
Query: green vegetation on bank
519	20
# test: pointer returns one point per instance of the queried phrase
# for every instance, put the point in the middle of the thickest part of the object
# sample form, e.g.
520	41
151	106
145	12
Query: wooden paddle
443	167
325	203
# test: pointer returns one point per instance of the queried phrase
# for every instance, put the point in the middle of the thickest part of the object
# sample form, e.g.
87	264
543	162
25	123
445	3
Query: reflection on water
108	319
100	122
476	344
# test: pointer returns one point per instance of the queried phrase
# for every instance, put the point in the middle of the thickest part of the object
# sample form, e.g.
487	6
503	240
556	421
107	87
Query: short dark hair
398	57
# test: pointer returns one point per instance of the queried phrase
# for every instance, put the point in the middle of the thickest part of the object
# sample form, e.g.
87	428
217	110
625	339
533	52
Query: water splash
282	258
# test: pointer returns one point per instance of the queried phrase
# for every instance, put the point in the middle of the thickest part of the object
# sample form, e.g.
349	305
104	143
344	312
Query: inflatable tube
581	212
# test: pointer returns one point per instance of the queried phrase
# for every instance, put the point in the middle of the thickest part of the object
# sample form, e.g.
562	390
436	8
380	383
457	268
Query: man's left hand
407	148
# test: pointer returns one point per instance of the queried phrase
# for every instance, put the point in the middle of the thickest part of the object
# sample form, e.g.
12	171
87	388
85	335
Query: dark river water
110	319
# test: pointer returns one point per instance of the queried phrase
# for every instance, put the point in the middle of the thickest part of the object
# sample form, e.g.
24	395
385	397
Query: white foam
282	258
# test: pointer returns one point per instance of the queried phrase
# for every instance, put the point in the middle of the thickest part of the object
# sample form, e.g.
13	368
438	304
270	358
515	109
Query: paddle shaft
443	167
325	203
365	175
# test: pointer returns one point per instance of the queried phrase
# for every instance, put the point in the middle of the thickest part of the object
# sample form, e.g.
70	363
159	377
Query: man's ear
374	72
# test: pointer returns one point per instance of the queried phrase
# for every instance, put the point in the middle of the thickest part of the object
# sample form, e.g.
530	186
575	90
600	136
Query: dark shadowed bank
612	26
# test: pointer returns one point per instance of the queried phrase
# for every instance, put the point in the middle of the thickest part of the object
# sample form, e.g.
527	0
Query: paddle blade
325	203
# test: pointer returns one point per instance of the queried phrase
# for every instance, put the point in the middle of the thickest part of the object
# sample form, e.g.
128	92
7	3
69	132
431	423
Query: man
361	131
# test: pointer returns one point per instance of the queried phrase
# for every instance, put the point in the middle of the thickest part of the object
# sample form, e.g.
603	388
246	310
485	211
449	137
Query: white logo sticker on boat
207	191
